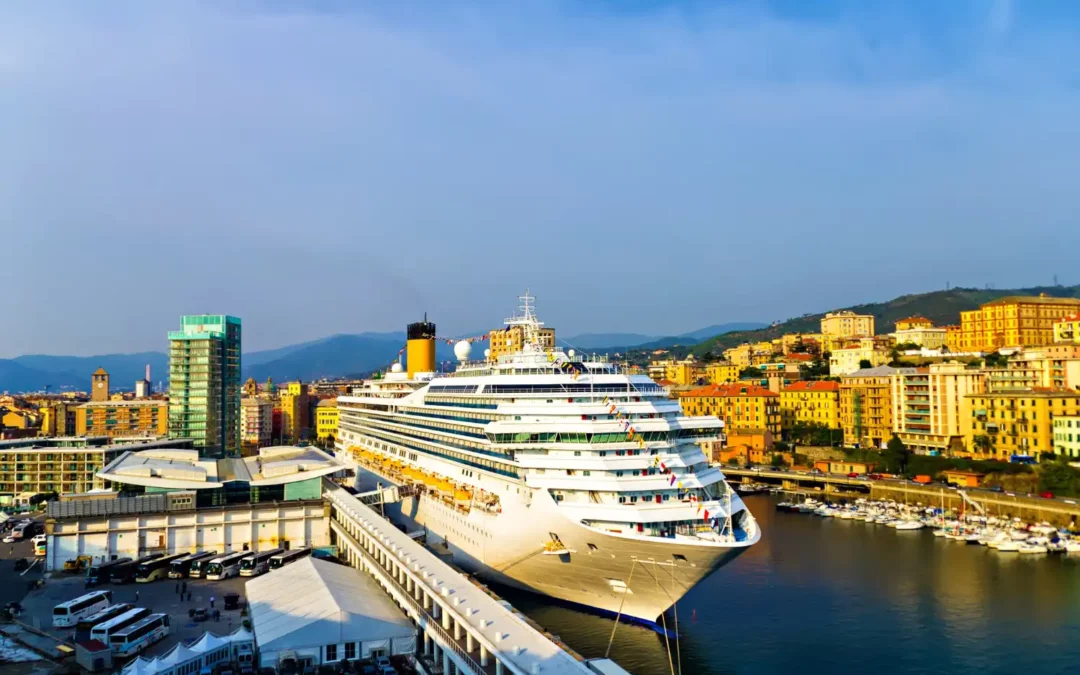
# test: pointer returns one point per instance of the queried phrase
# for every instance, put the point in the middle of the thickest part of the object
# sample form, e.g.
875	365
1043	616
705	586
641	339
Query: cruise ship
548	471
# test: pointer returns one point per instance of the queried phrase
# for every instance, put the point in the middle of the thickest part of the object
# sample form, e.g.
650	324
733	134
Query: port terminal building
170	500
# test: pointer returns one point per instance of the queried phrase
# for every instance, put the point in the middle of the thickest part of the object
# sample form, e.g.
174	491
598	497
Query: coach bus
286	557
257	563
104	631
99	574
225	566
125	574
139	636
83	628
69	613
181	567
158	568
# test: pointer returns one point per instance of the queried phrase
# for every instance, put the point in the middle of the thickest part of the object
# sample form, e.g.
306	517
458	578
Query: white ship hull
615	574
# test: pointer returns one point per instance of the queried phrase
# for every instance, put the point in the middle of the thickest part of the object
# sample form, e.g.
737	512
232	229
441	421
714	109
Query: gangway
386	495
969	500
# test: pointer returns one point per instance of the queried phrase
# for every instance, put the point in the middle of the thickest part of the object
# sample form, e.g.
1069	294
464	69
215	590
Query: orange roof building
740	405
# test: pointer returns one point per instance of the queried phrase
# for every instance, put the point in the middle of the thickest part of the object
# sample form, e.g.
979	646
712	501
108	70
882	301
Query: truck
922	478
76	565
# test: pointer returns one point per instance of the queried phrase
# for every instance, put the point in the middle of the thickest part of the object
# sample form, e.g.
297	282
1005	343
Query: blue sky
647	166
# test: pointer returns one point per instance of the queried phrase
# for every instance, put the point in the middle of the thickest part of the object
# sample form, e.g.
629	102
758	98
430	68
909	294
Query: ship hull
620	575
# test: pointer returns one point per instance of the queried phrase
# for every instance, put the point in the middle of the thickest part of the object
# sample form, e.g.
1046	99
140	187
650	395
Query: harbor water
824	595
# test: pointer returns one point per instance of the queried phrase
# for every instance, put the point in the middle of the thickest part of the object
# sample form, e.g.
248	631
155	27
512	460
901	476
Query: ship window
592	547
678	556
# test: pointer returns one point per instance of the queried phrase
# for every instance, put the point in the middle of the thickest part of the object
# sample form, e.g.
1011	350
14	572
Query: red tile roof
796	356
817	385
732	389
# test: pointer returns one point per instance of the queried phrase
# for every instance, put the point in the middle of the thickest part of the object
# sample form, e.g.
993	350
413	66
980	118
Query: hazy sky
331	166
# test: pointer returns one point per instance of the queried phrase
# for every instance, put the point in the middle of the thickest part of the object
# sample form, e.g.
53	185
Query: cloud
337	167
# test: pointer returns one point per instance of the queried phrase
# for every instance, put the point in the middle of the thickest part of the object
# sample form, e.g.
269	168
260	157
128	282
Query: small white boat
1072	546
1027	547
908	525
1008	546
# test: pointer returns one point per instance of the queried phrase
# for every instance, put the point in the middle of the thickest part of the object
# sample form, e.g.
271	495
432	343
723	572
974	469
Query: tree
996	360
982	444
865	363
896	456
751	373
1058	477
778	460
43	497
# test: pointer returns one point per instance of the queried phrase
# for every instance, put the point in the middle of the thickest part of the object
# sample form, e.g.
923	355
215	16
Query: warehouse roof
315	602
185	470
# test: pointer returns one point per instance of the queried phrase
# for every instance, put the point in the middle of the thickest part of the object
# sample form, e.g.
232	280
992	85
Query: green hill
941	307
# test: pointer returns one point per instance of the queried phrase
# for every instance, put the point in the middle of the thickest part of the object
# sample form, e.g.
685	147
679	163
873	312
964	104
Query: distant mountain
593	340
336	356
941	307
721	328
34	372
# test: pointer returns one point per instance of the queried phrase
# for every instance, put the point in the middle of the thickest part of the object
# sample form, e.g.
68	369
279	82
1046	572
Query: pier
465	629
1060	512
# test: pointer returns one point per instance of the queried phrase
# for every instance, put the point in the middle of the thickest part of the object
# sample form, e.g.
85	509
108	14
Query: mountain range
342	355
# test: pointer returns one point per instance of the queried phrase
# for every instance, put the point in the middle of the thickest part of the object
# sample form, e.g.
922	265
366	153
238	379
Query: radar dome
462	349
571	353
487	353
396	368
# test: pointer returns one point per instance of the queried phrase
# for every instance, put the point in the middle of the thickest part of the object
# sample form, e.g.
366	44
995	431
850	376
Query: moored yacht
549	471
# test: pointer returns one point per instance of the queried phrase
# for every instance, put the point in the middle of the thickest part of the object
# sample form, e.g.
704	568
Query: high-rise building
256	420
931	408
204	383
99	385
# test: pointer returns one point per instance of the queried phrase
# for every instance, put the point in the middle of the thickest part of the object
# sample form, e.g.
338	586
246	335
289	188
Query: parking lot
158	596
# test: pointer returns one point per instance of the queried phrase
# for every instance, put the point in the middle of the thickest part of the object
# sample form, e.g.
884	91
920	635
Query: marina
821	595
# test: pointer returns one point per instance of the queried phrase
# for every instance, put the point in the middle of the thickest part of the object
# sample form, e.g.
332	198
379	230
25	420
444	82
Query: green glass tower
204	383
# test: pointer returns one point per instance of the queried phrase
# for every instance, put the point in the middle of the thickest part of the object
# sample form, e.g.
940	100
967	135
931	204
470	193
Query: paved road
13	585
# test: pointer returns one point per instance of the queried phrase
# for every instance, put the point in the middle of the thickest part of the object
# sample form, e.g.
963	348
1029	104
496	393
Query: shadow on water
830	596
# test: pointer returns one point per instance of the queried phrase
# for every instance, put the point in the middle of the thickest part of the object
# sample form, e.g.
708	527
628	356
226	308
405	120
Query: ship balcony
647	512
654	483
610	462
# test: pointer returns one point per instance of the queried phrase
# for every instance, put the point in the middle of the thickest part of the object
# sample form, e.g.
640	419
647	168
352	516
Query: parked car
232	601
996	488
853	475
1046	495
199	614
21	564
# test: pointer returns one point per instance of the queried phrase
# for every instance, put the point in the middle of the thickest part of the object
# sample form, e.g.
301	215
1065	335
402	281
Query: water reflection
828	595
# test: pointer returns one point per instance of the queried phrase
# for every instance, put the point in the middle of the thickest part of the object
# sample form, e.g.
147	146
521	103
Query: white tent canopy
314	602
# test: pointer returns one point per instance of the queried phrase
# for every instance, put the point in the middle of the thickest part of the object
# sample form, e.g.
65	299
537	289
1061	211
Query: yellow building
57	419
326	419
930	406
922	335
122	418
1015	321
1055	366
913	322
722	372
1019	422
954	338
849	359
741	406
866	407
1067	329
19	419
510	340
294	410
810	403
847	324
738	356
685	372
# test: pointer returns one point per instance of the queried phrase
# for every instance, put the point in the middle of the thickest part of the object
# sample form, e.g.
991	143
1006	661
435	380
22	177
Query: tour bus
158	568
182	567
258	563
139	636
83	628
125	574
226	566
104	631
69	613
39	544
99	574
198	568
286	557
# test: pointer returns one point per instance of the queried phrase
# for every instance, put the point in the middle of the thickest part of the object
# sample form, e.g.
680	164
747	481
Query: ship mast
530	325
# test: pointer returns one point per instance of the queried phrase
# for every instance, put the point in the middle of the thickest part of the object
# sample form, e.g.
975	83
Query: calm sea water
823	595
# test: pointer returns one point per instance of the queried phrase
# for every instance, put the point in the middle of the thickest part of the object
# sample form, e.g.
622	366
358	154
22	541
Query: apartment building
810	403
931	408
122	418
256	422
866	406
741	406
1017	422
847	324
1014	321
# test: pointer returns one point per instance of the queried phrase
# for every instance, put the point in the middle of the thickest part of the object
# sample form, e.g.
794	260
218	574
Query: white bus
85	625
69	613
158	568
258	563
184	566
286	557
225	567
104	631
139	636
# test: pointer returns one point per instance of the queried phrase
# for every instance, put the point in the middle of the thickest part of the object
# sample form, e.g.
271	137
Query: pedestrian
136	597
183	587
211	602
178	588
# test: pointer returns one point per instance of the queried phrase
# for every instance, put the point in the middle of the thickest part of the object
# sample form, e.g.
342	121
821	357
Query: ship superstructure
560	474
